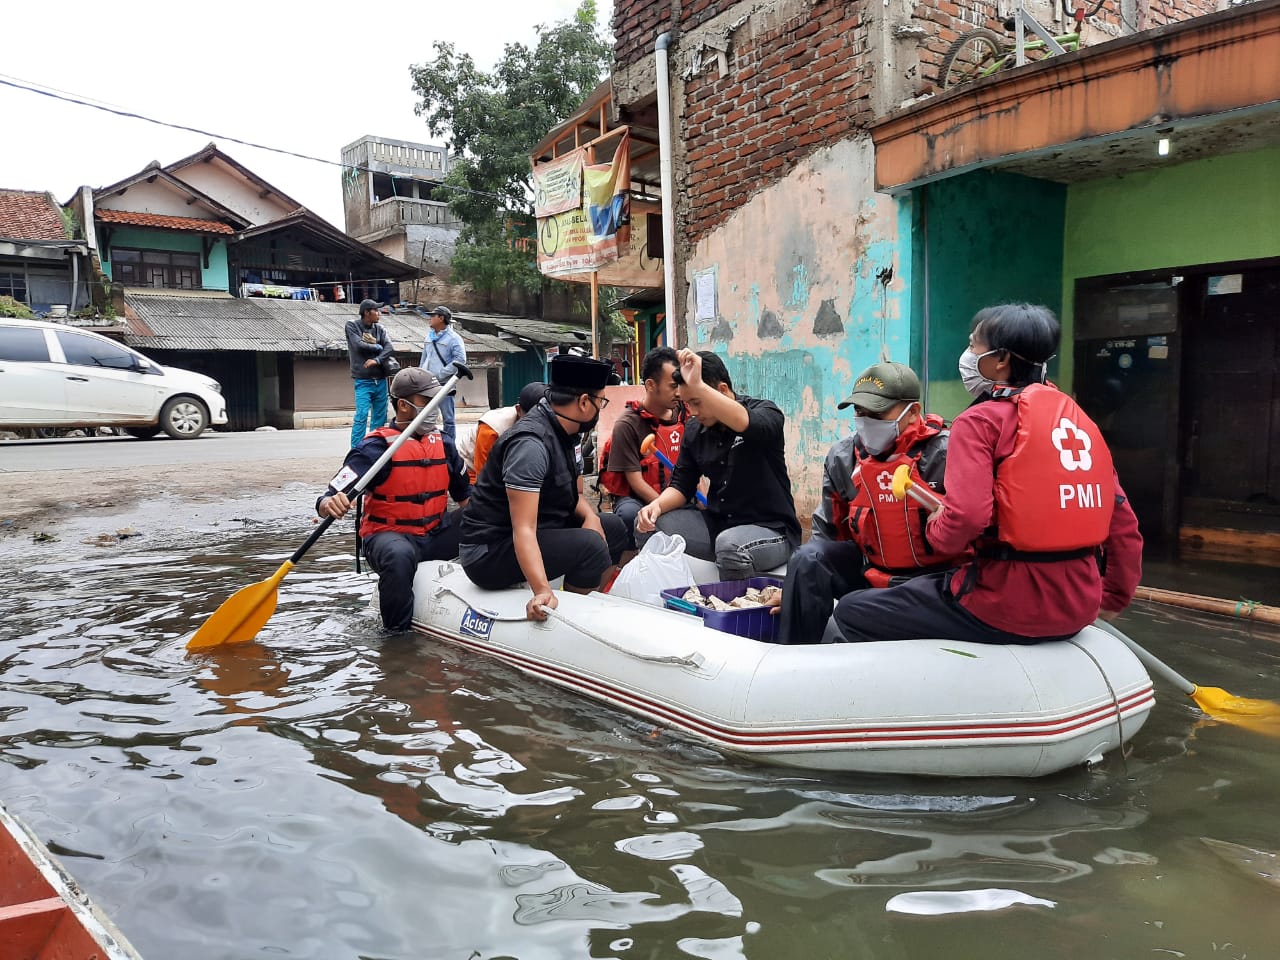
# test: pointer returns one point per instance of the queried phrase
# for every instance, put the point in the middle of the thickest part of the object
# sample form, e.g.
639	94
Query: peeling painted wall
811	281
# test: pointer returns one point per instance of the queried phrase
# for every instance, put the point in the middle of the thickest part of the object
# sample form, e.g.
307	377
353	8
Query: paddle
650	445
245	612
1214	701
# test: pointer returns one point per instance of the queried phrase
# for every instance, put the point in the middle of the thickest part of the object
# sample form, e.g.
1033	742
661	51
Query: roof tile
136	219
28	215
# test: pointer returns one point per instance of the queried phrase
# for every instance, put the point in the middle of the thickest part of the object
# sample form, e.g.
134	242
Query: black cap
530	395
580	373
366	305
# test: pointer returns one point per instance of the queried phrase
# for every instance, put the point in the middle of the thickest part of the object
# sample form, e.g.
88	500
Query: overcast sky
304	76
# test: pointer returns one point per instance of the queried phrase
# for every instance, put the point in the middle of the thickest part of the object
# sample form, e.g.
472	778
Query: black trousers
396	557
578	555
921	608
818	574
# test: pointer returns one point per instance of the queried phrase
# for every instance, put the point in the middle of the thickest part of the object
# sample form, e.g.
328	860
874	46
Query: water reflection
327	793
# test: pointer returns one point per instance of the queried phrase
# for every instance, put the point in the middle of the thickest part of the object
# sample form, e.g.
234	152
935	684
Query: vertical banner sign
557	185
598	230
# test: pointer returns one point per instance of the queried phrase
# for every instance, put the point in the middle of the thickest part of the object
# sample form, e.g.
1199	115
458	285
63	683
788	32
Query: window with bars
13	284
156	268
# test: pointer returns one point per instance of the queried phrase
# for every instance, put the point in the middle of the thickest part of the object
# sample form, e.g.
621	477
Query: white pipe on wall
668	189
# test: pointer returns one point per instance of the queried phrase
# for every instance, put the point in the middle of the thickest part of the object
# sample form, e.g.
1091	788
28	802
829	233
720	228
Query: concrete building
392	201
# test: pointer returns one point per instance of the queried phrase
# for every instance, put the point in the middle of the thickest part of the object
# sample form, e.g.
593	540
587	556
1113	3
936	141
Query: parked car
56	376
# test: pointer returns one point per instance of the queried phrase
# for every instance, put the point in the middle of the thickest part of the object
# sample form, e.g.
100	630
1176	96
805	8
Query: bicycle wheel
975	54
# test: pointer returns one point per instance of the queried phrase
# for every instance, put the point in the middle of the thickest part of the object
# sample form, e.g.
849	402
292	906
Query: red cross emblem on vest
1073	446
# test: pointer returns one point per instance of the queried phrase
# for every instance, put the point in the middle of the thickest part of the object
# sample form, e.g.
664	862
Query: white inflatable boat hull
935	707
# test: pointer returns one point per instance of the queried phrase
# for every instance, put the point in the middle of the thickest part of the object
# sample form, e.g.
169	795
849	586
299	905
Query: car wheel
183	418
142	433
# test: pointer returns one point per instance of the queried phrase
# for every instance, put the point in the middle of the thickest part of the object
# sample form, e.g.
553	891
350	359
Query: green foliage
70	222
10	307
492	121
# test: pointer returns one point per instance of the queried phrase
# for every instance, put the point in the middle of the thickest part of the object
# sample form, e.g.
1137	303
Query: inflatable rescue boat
943	708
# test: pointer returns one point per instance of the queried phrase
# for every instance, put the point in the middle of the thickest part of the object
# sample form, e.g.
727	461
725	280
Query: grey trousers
740	553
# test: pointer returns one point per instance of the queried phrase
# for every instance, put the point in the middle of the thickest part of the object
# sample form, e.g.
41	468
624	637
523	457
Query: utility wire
79	100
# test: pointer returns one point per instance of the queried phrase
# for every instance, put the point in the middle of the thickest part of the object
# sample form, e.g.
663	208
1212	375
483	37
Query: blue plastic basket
755	623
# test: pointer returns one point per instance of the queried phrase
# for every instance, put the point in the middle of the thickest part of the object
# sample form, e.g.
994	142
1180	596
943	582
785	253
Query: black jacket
359	349
748	471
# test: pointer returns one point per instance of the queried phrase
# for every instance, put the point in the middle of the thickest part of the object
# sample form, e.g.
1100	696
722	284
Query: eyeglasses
600	402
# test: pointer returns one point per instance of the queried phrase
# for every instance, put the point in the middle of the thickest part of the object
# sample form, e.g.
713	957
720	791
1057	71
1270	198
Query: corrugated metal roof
542	332
270	326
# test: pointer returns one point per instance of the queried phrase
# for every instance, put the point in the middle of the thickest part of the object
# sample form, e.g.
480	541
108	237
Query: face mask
974	382
879	436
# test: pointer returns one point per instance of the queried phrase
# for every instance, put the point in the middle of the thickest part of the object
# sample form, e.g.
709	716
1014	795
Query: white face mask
974	382
879	436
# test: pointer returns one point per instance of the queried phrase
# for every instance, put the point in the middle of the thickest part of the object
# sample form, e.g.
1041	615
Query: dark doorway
1127	363
1231	402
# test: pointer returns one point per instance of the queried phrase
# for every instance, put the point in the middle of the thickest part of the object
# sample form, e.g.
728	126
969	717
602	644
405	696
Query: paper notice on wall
1227	283
704	288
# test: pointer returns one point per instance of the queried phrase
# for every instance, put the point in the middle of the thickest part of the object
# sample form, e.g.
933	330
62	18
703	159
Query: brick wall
788	91
636	25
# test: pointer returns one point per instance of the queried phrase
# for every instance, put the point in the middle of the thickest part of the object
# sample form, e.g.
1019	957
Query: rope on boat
1115	701
694	659
688	660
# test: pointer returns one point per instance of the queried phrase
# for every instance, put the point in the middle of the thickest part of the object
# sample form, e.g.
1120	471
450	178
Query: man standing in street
443	348
368	346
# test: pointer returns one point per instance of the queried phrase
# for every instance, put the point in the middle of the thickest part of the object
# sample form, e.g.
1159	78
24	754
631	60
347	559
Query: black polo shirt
748	471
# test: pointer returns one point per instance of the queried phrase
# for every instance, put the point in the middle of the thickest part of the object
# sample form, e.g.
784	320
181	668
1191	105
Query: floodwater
328	793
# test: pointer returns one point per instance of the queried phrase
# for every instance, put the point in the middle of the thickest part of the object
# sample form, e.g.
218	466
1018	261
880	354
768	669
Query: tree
492	120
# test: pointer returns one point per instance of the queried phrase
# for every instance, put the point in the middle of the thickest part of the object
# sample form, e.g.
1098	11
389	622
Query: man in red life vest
404	520
862	536
1032	490
631	477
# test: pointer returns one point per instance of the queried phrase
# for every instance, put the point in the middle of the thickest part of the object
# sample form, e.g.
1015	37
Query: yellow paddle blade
241	615
901	481
1221	705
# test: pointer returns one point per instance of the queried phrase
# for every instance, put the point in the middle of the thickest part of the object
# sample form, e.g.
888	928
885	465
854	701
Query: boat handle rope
692	660
1115	701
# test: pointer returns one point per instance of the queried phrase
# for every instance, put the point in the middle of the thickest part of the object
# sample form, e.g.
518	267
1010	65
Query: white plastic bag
661	565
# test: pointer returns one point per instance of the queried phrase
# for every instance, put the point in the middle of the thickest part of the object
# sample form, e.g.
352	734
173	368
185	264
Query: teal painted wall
989	237
1206	211
213	277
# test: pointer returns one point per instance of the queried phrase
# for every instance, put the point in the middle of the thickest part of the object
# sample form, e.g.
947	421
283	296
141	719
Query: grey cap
414	380
367	305
442	312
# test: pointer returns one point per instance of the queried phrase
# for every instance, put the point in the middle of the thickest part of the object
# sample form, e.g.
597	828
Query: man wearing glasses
527	519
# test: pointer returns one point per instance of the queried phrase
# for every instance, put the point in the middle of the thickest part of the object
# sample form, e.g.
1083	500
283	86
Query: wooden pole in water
1240	609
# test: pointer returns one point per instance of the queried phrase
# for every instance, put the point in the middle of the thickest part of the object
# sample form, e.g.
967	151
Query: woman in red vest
1031	489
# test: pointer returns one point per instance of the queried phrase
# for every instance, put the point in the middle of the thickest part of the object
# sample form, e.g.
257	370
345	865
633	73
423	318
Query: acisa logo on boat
475	625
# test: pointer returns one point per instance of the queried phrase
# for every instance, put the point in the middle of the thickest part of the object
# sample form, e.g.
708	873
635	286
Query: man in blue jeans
735	441
368	346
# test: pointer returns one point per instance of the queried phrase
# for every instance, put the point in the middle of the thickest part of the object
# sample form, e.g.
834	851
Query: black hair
714	372
558	396
655	360
1029	333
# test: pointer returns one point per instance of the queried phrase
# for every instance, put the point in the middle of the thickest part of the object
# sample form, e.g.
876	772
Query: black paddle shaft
460	372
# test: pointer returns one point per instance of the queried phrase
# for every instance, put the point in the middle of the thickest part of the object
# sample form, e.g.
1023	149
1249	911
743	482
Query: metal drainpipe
668	189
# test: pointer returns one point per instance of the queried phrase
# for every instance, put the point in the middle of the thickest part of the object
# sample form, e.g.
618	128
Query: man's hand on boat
335	506
533	609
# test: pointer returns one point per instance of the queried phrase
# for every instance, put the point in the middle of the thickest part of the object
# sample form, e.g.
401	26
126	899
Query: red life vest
414	498
656	475
891	532
1055	492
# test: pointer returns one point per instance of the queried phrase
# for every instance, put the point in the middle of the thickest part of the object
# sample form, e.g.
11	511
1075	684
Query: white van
53	375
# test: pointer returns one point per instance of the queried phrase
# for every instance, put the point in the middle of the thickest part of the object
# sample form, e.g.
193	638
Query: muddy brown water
329	793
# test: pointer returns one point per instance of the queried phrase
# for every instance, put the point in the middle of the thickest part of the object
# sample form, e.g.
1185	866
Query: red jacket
1027	598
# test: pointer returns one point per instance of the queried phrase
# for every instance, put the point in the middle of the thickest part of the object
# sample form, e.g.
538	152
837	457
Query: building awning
156	321
1209	84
